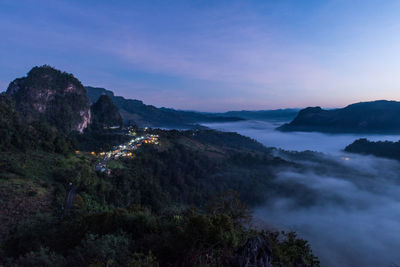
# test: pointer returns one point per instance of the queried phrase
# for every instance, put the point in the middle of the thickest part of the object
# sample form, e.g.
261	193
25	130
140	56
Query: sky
211	55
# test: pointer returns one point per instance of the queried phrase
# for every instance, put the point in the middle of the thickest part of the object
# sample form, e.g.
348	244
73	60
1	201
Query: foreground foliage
151	210
137	237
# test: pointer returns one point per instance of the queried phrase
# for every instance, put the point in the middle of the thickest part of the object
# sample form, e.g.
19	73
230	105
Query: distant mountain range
61	99
276	114
365	117
136	112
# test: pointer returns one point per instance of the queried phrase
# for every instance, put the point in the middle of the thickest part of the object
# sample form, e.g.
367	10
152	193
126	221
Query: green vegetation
95	139
365	117
105	113
137	236
51	96
15	134
386	149
180	203
152	210
135	112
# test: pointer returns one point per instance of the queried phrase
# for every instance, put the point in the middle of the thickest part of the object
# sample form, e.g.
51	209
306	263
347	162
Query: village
126	150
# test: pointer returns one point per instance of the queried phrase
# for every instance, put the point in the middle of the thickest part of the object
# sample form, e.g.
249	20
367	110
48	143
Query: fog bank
351	211
265	133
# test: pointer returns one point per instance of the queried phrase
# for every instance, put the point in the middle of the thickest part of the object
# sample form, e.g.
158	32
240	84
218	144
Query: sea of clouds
353	218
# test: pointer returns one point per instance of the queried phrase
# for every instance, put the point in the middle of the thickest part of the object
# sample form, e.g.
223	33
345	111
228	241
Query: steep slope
52	95
143	205
105	113
16	135
370	117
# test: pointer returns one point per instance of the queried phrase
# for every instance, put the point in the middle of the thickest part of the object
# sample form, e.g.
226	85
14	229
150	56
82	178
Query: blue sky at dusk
212	55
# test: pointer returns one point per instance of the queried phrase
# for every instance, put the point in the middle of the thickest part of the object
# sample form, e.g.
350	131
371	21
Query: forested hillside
135	112
135	197
160	207
365	117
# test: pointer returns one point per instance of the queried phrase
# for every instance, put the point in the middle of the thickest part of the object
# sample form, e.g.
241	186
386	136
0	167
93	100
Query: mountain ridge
135	111
380	116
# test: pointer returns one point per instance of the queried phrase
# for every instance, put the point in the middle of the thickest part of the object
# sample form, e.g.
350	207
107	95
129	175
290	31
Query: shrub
106	250
42	257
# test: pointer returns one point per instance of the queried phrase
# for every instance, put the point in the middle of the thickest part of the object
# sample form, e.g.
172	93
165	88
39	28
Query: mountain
105	114
277	114
168	202
57	97
136	112
365	117
94	93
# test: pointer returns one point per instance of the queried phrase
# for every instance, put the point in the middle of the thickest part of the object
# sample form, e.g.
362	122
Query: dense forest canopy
386	149
180	201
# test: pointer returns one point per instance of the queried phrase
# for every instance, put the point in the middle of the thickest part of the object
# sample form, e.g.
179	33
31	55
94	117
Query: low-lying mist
351	211
264	132
354	216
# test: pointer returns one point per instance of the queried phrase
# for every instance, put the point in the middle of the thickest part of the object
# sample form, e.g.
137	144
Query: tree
229	203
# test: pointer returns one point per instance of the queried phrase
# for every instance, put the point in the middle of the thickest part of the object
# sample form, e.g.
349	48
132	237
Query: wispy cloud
279	54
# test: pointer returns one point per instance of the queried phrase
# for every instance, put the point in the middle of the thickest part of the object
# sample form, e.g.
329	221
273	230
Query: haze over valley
199	133
348	195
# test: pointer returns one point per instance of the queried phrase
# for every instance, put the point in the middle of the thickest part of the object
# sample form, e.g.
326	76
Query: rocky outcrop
94	93
105	114
57	97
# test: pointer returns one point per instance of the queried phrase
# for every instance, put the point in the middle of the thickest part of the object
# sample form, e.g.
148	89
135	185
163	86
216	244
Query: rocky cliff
52	95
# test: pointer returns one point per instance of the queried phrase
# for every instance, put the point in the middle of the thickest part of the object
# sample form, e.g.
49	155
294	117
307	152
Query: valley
199	133
55	178
346	196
